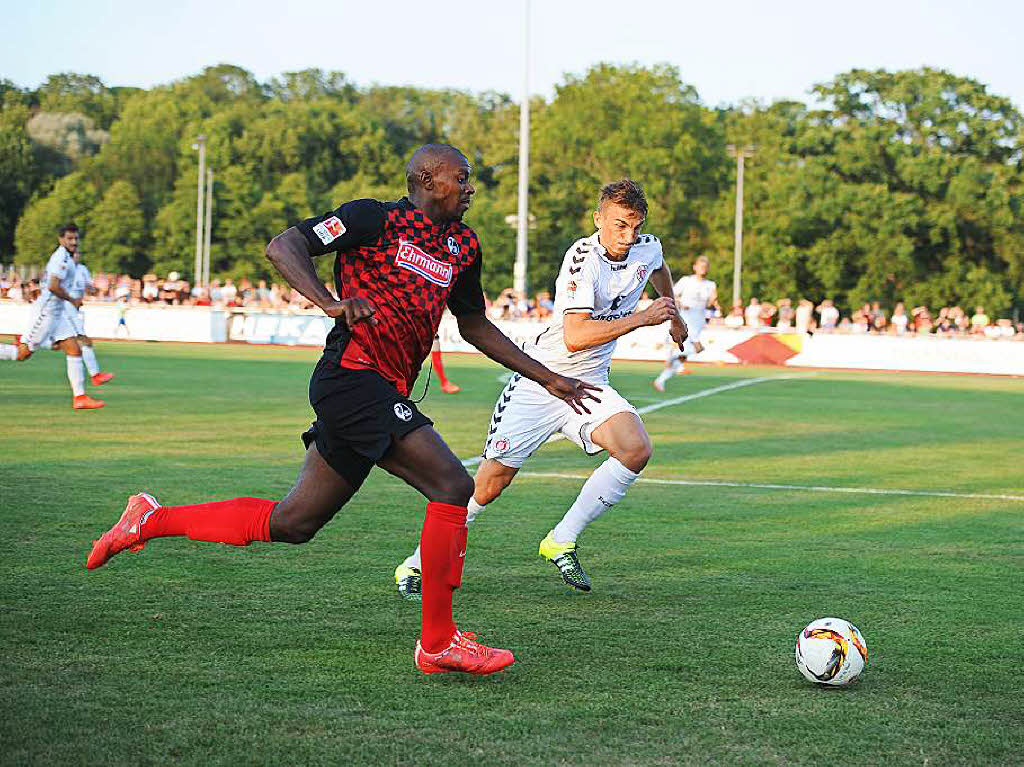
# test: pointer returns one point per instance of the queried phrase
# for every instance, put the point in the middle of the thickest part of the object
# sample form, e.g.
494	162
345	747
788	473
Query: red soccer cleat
125	534
102	377
463	654
85	402
449	388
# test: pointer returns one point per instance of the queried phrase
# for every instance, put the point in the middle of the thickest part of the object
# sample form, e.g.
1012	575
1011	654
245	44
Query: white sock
89	355
677	365
76	375
472	509
8	352
664	375
606	487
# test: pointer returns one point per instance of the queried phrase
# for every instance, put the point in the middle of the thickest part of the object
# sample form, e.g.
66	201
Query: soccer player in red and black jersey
398	265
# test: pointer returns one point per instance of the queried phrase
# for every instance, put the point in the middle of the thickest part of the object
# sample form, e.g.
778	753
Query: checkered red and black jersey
392	254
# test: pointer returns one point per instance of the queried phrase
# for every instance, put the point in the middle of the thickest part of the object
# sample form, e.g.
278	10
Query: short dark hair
66	228
627	193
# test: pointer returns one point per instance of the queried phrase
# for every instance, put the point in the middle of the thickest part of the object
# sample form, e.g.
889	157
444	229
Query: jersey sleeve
659	256
467	296
355	223
579	281
58	265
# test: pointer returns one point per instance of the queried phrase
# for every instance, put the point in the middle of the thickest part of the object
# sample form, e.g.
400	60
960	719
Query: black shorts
358	416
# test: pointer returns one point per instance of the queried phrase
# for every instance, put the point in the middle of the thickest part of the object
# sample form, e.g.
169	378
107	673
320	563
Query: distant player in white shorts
81	283
50	320
597	290
694	294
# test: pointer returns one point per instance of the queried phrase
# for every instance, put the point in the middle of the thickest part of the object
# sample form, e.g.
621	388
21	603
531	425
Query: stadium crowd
804	316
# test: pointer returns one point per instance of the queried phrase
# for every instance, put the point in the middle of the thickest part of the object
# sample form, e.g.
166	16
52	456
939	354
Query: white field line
468	462
810	488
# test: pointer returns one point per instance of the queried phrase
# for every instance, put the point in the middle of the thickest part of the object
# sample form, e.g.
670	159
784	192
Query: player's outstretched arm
581	331
289	253
479	331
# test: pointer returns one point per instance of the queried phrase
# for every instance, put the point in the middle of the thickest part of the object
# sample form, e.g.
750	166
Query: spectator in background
766	314
150	291
899	319
804	316
544	304
945	324
979	321
922	320
735	317
828	315
752	314
786	314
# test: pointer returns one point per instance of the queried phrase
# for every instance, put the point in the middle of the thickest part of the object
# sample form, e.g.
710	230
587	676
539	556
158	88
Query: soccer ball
831	651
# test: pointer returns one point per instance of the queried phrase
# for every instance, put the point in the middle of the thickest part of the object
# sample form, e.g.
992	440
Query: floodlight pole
201	146
737	259
209	226
519	270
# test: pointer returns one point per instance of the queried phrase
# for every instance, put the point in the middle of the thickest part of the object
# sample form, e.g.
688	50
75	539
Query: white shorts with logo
48	320
525	416
695	322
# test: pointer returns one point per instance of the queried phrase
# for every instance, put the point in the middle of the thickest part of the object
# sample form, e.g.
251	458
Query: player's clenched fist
354	310
662	309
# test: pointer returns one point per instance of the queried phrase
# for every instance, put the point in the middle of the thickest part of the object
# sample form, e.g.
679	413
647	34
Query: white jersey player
597	290
50	318
80	284
695	295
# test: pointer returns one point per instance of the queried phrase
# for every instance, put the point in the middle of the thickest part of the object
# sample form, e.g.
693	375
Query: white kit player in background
50	321
79	286
596	293
694	294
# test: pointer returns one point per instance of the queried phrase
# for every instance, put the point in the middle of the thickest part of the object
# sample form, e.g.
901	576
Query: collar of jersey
602	251
406	203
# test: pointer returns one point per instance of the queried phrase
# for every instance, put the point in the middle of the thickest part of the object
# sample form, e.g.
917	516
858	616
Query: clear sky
729	50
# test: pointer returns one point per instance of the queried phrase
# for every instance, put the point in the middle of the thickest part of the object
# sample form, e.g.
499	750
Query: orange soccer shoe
463	654
125	534
102	377
85	402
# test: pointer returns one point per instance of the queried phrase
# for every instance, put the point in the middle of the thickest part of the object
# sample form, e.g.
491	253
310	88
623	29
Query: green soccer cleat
409	582
565	559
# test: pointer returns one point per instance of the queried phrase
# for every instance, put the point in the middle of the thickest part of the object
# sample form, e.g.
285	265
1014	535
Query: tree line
896	186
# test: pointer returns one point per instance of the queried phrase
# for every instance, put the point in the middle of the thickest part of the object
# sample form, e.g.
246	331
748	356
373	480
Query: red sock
238	522
442	552
435	358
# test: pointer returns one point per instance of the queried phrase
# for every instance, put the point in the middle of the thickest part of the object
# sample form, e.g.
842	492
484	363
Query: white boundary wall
869	352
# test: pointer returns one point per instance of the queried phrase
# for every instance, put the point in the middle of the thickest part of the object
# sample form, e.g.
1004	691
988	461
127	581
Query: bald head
426	161
438	180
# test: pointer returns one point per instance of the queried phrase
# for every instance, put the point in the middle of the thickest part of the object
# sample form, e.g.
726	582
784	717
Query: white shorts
48	320
525	416
77	317
695	321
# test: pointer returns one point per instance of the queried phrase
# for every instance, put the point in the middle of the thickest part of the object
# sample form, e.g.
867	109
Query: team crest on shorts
500	445
453	246
403	411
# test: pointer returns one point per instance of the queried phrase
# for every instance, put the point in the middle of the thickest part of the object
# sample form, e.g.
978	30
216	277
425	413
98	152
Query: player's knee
635	455
455	488
287	530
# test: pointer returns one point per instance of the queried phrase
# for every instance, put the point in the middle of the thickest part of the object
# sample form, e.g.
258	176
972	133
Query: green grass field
683	653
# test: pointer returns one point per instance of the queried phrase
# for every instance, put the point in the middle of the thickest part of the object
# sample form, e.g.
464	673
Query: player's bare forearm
481	333
661	279
581	331
290	255
58	290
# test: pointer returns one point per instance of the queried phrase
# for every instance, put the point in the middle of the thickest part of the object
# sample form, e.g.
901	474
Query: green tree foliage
894	186
116	232
72	200
18	171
